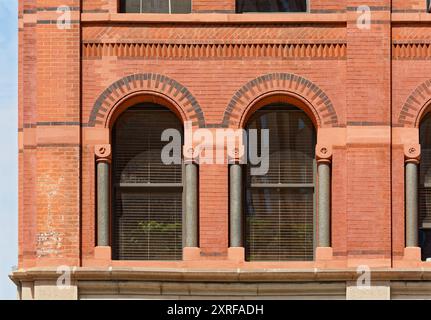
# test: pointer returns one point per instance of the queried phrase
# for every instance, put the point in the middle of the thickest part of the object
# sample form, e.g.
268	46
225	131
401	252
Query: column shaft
191	209
103	203
235	204
324	172
412	204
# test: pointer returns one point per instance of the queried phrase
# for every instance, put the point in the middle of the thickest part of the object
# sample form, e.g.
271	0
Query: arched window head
425	187
147	193
279	206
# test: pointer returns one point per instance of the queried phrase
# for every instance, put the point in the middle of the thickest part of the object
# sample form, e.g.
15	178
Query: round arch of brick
415	106
146	83
282	84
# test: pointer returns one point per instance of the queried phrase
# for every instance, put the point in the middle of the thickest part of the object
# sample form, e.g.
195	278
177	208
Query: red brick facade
365	89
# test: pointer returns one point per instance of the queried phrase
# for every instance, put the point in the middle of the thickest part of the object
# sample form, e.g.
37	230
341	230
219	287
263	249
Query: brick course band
284	82
148	82
415	104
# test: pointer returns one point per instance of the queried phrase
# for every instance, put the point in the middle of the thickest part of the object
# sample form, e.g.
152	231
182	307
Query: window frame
248	186
116	187
424	227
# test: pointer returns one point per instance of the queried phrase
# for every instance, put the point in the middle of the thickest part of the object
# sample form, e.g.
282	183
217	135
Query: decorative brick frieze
411	51
211	51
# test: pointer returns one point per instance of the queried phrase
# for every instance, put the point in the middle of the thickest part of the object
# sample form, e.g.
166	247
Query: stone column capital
237	157
189	156
323	153
412	153
103	153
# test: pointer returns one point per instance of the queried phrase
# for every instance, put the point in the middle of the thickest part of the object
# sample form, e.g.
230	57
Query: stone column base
324	254
324	257
412	257
191	254
236	254
413	253
102	257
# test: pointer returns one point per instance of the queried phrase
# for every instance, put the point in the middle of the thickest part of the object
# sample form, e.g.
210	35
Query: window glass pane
280	204
138	146
130	6
291	147
181	6
425	186
271	6
156	6
148	225
279	224
425	243
147	213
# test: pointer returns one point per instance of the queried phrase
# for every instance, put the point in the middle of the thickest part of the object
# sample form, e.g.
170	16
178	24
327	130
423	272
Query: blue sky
8	144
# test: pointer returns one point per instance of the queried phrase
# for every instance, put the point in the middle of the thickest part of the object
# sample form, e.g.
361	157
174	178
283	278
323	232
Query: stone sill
230	275
246	18
214	18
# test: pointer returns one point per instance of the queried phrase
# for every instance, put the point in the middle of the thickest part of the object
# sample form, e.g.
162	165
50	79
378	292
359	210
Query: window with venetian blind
155	6
425	187
147	194
271	6
279	208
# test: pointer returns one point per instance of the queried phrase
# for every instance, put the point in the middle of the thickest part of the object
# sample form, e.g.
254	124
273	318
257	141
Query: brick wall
362	110
368	133
50	151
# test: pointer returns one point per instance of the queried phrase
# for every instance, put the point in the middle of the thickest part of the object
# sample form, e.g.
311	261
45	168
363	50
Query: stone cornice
222	275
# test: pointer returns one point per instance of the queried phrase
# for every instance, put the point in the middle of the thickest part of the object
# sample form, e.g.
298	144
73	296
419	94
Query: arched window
271	6
147	194
279	207
155	6
425	187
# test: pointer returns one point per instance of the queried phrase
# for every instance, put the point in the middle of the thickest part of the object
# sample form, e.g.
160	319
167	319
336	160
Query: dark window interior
425	187
279	210
271	6
155	6
425	243
147	194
